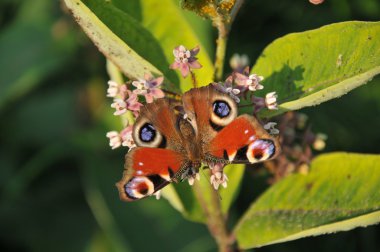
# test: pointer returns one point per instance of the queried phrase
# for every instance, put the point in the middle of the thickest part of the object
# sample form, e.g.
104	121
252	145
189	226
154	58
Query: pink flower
149	87
126	137
115	140
133	103
227	88
122	106
316	1
185	59
251	82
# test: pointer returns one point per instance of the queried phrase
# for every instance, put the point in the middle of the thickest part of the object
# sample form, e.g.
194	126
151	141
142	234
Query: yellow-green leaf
170	27
140	46
109	42
341	192
312	67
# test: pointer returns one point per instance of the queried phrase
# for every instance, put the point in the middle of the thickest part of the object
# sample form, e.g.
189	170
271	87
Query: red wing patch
147	170
243	141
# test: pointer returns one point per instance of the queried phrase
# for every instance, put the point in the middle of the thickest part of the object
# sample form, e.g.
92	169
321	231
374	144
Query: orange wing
243	141
147	170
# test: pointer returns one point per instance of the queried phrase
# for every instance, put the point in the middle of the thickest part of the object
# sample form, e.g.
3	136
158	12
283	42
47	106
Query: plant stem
216	220
235	10
194	79
221	44
223	25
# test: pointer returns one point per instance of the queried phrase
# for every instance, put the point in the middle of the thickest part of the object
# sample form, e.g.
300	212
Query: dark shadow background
57	173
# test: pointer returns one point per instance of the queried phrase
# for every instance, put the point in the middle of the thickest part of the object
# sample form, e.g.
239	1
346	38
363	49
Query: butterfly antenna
172	95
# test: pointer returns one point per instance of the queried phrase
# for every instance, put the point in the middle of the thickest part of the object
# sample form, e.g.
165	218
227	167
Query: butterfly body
174	139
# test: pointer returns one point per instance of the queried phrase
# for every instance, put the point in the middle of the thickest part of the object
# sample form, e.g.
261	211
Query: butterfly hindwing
243	141
147	170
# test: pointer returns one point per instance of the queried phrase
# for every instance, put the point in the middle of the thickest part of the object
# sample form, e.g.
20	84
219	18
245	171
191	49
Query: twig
194	79
223	25
216	221
221	44
235	10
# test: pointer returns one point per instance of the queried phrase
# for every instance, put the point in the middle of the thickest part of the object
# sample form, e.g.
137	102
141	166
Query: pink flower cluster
185	60
243	84
128	100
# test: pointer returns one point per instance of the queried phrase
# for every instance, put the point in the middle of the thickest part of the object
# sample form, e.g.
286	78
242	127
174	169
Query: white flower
191	179
271	100
113	89
157	194
218	177
140	85
120	106
271	127
239	62
115	139
253	82
126	137
320	141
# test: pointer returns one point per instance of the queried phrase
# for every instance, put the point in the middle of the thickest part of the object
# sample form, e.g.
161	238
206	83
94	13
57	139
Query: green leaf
341	192
190	200
110	41
308	68
140	47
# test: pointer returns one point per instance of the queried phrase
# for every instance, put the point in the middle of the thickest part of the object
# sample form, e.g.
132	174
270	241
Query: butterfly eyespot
139	187
145	134
221	109
223	112
260	150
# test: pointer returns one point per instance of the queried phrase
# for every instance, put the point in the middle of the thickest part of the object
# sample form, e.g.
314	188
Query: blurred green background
57	172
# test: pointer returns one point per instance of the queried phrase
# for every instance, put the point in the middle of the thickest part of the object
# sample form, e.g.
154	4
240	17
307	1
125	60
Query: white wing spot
246	131
139	172
252	138
141	163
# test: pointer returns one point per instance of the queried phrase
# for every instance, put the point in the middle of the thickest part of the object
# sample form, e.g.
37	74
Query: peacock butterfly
174	138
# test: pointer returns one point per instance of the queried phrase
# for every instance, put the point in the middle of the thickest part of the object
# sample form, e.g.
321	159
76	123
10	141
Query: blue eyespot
221	108
147	133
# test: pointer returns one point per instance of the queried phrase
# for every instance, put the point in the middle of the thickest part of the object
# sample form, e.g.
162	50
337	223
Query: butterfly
174	138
